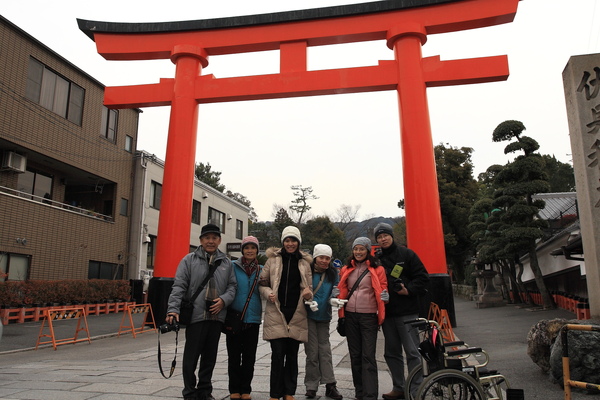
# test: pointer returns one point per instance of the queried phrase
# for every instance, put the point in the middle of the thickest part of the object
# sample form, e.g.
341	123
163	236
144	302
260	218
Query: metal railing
54	204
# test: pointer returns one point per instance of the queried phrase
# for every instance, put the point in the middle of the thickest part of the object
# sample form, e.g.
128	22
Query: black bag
233	319
185	312
341	326
233	322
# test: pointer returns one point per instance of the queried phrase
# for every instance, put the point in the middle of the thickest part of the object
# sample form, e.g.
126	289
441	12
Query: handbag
186	308
341	324
233	323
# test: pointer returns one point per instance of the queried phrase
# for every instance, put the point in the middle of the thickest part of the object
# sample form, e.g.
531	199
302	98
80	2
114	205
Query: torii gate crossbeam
404	24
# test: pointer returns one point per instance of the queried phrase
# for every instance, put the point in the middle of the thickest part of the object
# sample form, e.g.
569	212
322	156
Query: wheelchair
454	371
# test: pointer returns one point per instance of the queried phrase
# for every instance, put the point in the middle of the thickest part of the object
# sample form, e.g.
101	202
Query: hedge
17	293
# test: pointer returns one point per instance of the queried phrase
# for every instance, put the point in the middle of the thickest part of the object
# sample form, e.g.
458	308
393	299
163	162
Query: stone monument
581	79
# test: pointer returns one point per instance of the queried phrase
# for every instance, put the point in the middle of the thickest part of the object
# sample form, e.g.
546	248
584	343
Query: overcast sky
347	147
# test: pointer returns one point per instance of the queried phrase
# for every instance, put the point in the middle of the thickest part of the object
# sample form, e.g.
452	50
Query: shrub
15	293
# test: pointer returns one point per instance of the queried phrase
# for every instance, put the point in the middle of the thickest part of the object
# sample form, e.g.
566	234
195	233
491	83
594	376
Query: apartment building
77	200
209	206
67	167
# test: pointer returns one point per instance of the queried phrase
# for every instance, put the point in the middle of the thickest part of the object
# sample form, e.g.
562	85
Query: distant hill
365	228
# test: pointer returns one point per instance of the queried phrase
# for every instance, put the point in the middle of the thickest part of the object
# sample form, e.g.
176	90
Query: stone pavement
126	368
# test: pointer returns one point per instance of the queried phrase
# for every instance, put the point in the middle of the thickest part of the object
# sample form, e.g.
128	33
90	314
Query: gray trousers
319	364
398	336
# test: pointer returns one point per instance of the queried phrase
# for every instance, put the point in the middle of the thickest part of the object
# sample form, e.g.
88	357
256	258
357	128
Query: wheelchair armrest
468	350
453	344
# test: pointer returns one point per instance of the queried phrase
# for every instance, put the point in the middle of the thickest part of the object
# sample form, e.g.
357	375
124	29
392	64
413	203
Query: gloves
335	292
385	296
337	302
313	305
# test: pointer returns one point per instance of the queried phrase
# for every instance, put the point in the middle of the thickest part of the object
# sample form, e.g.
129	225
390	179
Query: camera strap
174	362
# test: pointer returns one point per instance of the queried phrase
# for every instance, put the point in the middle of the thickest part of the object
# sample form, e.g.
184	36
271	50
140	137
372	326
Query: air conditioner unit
12	161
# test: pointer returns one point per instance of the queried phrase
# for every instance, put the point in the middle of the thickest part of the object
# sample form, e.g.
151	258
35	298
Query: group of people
373	290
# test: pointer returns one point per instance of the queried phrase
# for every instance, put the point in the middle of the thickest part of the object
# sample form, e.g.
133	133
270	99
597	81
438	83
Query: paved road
125	368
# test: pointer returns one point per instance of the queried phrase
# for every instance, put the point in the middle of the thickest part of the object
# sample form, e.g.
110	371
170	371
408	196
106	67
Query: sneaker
234	396
246	396
310	394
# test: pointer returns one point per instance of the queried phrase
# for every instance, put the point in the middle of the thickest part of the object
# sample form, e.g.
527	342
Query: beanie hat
291	231
322	250
210	228
250	240
362	241
382	227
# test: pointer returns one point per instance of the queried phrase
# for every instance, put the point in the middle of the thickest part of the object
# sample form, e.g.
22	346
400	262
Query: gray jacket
191	272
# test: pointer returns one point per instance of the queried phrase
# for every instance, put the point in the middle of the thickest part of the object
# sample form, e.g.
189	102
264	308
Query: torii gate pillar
421	196
178	194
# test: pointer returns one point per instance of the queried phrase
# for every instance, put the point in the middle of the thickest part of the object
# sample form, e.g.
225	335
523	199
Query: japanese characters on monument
581	80
590	86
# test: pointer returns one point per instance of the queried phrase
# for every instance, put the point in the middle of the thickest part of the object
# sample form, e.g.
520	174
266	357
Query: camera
397	285
172	327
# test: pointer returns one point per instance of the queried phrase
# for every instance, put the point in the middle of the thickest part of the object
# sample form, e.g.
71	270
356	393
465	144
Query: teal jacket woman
254	312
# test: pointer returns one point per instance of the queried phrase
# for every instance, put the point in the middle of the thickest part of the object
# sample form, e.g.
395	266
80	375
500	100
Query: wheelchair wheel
408	383
450	385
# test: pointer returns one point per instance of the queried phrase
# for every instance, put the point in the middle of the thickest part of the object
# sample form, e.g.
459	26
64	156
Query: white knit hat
322	250
291	231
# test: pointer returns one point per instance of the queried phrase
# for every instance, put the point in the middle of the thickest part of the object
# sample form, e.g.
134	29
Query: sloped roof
557	204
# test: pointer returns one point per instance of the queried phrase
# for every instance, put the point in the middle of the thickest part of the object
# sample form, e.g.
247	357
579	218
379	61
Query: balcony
54	204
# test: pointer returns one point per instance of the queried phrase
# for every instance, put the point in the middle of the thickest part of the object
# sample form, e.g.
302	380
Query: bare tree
346	214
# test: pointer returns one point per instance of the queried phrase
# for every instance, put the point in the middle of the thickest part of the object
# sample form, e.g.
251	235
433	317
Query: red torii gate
404	24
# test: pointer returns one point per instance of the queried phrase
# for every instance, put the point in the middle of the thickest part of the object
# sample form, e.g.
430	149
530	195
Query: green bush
15	293
470	279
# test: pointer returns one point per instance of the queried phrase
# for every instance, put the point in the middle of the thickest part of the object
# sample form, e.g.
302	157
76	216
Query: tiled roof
557	204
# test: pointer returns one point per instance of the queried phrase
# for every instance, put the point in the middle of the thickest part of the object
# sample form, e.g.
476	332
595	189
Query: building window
217	218
239	229
151	252
54	92
128	143
104	270
14	267
196	212
155	194
108	128
124	207
35	183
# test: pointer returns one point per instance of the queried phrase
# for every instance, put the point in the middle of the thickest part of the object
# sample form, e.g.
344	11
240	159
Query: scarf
249	266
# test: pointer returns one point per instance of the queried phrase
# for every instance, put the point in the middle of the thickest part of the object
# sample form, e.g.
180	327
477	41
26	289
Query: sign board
337	263
234	247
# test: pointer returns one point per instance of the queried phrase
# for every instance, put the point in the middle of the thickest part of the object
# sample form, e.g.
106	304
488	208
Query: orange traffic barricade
58	314
147	325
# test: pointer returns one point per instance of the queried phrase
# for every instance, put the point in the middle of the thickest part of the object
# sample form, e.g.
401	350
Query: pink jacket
378	281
